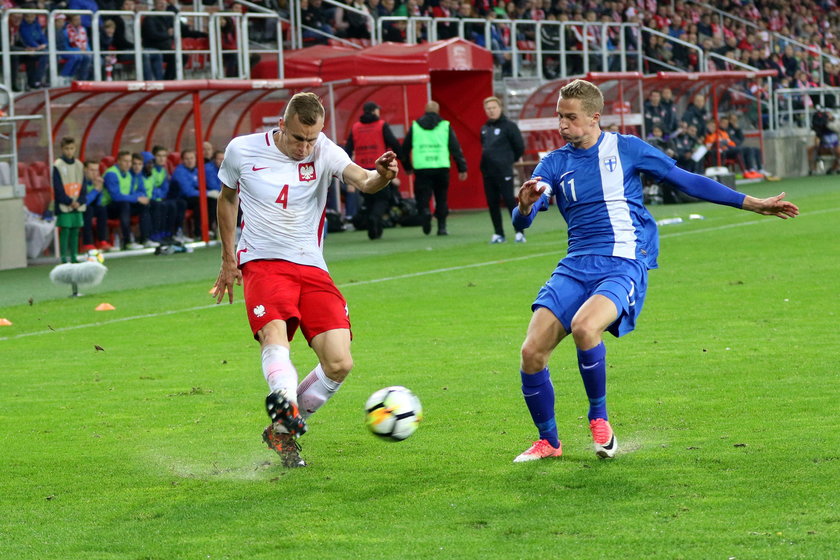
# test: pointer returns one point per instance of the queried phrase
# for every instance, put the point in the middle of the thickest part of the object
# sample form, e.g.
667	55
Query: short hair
591	98
157	149
67	140
492	98
122	153
109	24
185	152
307	106
136	156
217	152
92	162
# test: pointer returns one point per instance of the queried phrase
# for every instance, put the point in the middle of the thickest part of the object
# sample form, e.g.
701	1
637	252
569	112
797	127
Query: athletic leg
335	362
588	324
544	334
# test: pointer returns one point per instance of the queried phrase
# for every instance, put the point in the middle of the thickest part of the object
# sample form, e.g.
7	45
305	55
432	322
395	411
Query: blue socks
539	396
592	364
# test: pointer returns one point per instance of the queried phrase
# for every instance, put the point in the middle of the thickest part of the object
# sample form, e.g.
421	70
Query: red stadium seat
105	163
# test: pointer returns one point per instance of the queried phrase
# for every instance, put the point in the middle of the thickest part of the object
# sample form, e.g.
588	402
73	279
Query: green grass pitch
724	401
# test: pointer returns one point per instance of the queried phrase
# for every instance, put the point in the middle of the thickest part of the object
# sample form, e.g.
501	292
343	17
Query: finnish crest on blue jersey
610	163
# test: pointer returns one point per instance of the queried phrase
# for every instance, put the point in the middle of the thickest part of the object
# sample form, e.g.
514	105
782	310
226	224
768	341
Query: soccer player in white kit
280	178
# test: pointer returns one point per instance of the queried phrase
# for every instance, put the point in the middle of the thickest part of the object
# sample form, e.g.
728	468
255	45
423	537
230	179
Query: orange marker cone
105	307
5	322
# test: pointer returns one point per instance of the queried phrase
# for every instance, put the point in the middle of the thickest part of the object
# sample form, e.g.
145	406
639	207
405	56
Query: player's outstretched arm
773	206
371	181
229	273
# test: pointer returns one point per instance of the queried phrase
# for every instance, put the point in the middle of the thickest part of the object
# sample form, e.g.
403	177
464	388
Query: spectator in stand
70	197
313	16
157	32
228	36
445	9
107	37
790	61
123	200
33	40
75	39
655	113
93	186
89	5
696	114
185	182
124	33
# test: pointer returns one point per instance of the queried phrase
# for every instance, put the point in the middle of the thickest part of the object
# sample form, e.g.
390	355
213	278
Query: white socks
279	372
315	389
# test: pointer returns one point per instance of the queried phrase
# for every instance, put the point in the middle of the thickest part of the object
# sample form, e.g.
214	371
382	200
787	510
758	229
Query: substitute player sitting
601	283
280	179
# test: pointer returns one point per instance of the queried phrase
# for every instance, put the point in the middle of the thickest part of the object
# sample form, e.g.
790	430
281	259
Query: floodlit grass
724	402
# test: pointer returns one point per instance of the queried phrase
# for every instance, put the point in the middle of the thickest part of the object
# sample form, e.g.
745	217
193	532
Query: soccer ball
393	413
95	255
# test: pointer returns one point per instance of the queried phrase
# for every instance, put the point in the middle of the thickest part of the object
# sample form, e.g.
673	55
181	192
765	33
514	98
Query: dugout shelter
106	117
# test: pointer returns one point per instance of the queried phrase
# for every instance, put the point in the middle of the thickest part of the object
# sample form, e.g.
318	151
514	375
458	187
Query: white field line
400	277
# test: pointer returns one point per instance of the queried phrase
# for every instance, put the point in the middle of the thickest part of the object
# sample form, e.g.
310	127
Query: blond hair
492	98
307	106
591	98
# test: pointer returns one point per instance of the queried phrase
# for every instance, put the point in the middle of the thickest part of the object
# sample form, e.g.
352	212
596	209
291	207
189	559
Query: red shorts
300	295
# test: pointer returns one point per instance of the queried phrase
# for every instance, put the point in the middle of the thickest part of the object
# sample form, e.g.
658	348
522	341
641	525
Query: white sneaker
149	244
497	238
520	237
133	246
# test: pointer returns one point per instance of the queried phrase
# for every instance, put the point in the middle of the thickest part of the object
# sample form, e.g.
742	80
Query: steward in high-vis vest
427	149
70	196
369	138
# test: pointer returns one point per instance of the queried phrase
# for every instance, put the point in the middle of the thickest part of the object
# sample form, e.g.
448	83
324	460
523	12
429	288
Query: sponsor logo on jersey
306	171
610	163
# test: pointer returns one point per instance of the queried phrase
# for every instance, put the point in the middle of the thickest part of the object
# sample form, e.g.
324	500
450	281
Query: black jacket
429	121
501	145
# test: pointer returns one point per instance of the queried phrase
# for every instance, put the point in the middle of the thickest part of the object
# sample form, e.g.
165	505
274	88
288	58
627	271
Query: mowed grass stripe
666	235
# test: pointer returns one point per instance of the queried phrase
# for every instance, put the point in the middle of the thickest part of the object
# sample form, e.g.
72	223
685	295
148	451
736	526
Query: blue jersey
599	193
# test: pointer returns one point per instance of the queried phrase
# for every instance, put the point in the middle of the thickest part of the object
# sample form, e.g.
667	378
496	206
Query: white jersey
283	200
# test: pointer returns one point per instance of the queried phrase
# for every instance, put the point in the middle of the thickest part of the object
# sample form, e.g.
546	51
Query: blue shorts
830	140
576	279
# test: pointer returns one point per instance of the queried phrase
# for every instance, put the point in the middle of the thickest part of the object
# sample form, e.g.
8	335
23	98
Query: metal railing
255	33
794	107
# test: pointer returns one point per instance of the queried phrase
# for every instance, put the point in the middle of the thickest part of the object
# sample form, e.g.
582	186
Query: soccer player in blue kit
600	285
